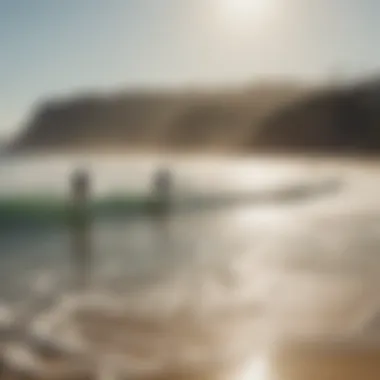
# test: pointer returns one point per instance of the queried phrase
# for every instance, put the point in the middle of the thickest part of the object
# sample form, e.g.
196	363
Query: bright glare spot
243	6
255	370
253	10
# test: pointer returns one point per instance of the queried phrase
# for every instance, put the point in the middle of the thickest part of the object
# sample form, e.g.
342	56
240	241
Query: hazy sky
52	47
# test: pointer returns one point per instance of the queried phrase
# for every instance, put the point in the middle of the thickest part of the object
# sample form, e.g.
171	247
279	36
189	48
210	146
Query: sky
52	48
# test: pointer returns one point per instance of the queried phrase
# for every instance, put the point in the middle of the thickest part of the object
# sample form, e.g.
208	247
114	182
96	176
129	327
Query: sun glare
243	11
244	6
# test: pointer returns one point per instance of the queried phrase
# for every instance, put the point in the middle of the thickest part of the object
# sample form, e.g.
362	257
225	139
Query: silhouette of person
162	189
80	183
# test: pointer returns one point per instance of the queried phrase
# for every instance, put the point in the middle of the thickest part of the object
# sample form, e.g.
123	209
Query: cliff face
265	117
345	120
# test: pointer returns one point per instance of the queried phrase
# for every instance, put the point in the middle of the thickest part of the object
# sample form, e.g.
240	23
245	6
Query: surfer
80	225
162	188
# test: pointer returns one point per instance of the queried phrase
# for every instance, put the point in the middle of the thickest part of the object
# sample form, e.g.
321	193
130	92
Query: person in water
162	188
80	225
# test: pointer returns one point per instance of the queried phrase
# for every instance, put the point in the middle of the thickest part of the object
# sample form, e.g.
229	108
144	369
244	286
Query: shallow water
220	294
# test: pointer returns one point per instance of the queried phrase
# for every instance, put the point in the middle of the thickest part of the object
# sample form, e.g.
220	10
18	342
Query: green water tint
48	210
45	210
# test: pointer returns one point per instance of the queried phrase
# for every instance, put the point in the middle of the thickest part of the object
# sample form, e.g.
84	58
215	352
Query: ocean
228	293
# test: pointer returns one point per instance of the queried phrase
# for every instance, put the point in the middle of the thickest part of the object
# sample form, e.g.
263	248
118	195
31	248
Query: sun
247	6
243	11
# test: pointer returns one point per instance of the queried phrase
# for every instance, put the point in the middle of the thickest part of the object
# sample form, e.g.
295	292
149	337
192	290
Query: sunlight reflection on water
220	285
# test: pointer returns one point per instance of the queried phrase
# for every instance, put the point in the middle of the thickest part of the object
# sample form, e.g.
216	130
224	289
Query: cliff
264	117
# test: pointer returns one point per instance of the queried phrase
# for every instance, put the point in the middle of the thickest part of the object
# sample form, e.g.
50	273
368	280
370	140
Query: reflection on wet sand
330	330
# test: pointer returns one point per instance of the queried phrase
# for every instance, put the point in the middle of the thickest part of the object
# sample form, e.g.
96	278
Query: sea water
264	291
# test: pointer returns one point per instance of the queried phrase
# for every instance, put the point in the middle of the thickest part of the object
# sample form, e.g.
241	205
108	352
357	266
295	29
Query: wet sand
327	361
